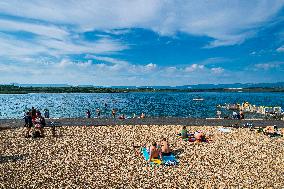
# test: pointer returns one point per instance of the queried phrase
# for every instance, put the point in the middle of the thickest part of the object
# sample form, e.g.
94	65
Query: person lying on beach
272	131
154	152
200	136
165	148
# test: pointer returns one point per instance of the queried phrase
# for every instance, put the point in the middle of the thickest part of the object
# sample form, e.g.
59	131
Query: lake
168	104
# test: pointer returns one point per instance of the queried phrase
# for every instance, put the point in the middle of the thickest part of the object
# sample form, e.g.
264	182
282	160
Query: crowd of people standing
34	119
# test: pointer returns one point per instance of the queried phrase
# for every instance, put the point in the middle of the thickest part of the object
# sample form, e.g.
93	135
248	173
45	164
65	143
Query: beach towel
167	160
146	156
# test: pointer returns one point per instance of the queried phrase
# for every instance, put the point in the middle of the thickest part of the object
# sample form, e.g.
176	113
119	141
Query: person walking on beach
28	124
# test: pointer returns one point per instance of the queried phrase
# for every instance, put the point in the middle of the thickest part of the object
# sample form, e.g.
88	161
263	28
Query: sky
141	42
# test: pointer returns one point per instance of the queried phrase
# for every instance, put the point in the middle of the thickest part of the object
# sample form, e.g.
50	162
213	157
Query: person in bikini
165	148
155	153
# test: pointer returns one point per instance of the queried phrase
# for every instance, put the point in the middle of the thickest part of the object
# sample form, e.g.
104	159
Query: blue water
152	104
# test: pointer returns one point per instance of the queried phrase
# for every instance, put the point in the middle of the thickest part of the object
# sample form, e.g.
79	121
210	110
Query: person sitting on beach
154	152
184	133
28	123
165	148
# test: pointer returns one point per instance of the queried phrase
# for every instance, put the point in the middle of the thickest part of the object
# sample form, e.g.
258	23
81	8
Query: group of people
239	115
235	115
113	114
158	150
34	118
198	136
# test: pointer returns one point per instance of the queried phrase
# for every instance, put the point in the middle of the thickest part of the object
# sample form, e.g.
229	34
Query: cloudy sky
141	42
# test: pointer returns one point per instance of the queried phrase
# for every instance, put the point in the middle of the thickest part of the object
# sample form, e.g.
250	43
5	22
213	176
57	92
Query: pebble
103	157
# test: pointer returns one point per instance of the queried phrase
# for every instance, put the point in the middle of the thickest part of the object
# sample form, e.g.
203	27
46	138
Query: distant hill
197	86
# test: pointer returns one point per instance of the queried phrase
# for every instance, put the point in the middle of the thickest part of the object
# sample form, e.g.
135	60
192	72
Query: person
234	115
165	148
113	112
33	113
184	133
200	136
155	153
219	113
28	124
122	116
98	112
242	116
46	113
88	114
142	115
39	123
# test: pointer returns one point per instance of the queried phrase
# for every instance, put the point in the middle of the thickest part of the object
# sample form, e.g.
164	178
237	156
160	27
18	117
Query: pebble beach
109	157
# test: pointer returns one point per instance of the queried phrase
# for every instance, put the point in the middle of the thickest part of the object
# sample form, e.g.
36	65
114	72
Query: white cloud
194	67
150	67
107	59
11	46
280	49
226	22
50	31
267	66
218	70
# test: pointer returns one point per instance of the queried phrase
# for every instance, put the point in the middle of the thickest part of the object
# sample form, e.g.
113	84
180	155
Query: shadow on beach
12	158
178	152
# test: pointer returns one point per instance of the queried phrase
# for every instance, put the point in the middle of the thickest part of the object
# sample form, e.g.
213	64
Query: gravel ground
103	157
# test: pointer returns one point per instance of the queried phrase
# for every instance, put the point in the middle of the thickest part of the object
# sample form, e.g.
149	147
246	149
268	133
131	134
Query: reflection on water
153	104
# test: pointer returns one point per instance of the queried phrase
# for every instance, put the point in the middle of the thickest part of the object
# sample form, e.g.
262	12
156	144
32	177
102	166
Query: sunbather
165	148
200	136
183	133
155	153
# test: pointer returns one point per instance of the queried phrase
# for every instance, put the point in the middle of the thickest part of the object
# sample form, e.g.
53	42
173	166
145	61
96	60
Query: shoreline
161	121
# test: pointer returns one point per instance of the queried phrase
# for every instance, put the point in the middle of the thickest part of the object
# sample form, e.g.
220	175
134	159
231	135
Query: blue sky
141	42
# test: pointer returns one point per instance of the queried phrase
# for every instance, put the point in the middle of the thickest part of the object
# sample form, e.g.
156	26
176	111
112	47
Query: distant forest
11	89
